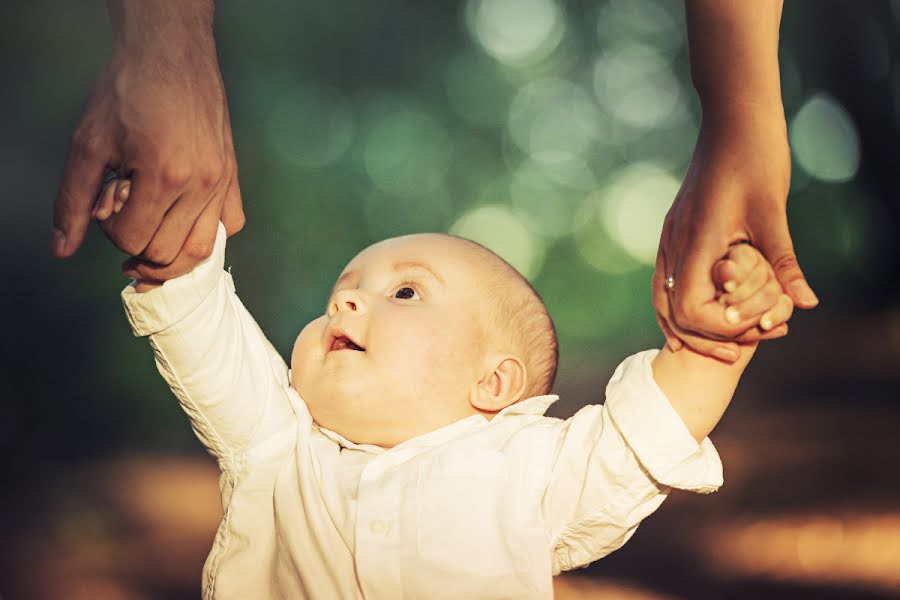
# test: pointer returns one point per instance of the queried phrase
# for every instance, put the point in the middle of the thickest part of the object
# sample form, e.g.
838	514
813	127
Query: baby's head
419	332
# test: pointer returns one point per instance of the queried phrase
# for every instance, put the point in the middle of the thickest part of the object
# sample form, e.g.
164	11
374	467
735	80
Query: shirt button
377	527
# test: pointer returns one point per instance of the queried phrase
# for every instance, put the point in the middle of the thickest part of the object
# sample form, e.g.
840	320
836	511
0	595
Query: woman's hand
735	189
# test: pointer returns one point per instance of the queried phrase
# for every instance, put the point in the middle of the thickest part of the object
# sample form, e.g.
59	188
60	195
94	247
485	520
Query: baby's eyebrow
411	264
400	266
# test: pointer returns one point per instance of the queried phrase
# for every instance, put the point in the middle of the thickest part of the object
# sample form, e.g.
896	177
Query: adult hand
735	189
157	115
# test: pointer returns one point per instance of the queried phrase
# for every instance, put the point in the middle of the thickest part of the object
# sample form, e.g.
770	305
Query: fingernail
801	291
766	322
59	241
732	315
725	354
117	206
730	286
124	191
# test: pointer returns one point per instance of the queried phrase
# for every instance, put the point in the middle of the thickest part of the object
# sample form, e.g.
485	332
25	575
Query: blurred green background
556	133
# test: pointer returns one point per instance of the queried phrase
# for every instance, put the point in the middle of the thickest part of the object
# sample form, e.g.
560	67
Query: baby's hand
751	294
111	198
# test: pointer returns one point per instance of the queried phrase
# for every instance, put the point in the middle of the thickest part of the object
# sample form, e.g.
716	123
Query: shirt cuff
655	433
157	309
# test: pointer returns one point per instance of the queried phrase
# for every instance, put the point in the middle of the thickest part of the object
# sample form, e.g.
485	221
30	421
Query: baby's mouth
342	342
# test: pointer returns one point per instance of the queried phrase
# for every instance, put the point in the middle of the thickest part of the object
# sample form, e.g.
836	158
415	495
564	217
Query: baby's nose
346	300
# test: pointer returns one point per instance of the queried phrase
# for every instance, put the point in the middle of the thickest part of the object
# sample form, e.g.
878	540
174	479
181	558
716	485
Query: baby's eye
405	293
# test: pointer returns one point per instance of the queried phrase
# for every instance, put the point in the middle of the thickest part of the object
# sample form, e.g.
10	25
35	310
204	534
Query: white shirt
477	509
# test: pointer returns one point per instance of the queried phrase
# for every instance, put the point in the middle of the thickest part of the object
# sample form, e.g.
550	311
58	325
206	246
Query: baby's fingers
112	198
778	314
749	285
103	207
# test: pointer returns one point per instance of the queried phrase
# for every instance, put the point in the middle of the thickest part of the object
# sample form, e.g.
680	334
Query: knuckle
85	143
199	250
785	262
174	175
157	254
211	174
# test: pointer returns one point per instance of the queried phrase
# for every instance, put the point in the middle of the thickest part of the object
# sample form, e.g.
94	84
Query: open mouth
342	342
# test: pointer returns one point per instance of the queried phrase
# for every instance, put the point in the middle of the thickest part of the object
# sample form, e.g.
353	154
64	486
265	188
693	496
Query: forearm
734	53
698	387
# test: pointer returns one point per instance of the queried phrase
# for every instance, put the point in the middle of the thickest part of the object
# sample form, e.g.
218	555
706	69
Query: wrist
161	24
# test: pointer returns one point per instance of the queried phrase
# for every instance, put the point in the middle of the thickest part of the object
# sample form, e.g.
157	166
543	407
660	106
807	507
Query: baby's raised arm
230	381
700	387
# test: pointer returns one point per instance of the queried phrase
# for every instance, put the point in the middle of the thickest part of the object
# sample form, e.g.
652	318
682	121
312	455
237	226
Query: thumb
81	182
774	241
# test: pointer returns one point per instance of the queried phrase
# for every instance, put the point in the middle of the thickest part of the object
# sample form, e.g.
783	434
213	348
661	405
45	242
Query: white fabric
476	509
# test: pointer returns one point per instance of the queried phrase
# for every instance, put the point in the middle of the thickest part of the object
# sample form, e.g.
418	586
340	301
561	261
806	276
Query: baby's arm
228	378
699	387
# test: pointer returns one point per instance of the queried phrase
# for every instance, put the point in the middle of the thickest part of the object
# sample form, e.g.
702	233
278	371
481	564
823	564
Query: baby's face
401	343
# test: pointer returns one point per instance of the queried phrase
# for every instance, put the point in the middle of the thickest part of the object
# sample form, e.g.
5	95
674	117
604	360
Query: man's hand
157	115
735	189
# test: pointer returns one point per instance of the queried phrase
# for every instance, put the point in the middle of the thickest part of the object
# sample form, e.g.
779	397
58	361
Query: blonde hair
519	321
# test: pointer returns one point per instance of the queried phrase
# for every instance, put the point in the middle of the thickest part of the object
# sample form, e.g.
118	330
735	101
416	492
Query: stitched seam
223	449
215	557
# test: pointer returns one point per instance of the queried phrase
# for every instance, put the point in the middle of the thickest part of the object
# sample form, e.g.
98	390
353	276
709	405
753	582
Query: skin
156	114
418	307
427	361
699	387
737	183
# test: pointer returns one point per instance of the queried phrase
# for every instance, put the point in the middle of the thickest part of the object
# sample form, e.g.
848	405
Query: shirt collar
536	405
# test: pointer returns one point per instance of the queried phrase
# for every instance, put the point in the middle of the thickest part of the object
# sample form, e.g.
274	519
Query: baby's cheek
304	351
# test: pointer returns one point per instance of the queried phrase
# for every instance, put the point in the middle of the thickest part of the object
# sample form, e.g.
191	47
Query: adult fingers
661	300
773	239
725	351
233	210
198	246
152	193
179	221
82	177
693	299
755	334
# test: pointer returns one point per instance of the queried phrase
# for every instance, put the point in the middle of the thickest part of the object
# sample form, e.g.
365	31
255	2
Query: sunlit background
556	133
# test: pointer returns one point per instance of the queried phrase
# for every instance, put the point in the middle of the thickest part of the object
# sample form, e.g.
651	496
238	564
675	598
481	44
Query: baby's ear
503	384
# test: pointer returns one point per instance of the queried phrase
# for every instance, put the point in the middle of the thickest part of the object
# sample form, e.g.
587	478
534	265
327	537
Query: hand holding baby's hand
751	295
110	200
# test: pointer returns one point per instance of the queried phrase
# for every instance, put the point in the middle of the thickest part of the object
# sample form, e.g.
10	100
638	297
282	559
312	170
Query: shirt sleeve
228	378
615	464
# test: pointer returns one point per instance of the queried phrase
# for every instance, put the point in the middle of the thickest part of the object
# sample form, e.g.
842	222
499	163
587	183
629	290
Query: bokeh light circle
310	125
553	115
497	227
637	86
407	153
619	226
824	140
516	32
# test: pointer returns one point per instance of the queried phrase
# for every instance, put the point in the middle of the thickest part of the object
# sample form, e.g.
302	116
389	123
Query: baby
404	453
